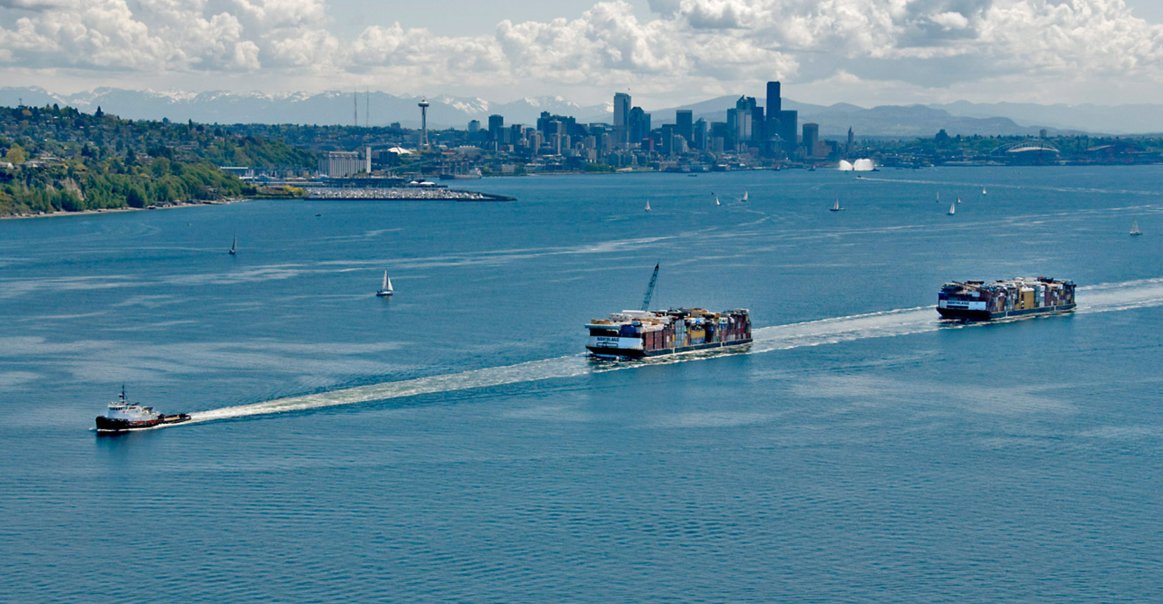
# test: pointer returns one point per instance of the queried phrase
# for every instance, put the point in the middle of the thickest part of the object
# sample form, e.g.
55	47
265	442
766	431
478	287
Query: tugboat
124	416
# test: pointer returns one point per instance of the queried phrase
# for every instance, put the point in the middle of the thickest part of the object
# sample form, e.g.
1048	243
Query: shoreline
94	212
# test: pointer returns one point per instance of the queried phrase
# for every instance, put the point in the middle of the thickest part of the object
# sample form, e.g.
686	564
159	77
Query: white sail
1135	231
983	191
385	286
717	201
952	209
836	206
647	208
746	196
958	200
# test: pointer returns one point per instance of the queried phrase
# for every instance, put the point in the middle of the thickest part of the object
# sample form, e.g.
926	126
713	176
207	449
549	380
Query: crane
650	289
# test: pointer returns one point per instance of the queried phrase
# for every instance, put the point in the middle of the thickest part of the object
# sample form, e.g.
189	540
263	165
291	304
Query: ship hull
107	425
984	315
633	353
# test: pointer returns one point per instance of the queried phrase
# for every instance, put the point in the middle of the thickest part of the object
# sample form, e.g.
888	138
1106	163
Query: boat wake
1107	297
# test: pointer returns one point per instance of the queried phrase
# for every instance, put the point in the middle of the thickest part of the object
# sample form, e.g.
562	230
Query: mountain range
381	109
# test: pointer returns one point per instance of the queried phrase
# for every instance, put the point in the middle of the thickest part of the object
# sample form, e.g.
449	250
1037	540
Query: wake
1106	297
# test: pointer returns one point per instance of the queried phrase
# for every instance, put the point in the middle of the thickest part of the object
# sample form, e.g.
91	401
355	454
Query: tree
15	154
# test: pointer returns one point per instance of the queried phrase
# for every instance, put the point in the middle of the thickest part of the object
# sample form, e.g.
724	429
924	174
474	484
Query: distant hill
340	108
325	108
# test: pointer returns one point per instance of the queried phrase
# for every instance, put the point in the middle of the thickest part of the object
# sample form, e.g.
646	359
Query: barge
1005	298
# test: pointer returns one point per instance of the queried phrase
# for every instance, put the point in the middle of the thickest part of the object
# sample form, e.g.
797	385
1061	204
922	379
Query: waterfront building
341	164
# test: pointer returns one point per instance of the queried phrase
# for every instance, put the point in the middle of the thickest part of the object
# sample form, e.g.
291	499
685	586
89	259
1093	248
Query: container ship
1017	297
124	416
633	334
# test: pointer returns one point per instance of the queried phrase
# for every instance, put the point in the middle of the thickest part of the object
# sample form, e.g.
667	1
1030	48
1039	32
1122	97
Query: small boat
836	206
1135	230
385	287
717	201
124	416
952	209
746	197
647	208
983	191
234	246
958	200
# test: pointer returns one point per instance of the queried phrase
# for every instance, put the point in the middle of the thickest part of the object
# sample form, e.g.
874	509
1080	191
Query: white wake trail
1105	297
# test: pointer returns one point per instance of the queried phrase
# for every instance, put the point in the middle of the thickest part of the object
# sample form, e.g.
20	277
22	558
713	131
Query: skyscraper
622	117
788	121
497	130
684	124
811	138
774	103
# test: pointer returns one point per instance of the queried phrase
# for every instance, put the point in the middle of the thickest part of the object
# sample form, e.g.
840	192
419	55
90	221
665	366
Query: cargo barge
634	334
1005	298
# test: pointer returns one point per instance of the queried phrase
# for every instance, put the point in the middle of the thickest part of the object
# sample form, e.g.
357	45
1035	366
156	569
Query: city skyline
664	52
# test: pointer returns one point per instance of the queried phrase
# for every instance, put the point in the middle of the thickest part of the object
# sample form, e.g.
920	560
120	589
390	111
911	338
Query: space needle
423	104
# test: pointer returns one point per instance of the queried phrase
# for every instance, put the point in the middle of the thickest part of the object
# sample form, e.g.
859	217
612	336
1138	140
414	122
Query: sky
664	52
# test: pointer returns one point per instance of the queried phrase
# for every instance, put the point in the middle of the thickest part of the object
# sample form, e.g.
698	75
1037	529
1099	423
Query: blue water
452	444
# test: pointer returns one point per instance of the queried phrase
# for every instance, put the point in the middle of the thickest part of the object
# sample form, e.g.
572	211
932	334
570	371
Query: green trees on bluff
58	159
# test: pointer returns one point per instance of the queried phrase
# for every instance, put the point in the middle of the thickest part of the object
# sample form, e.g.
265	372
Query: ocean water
452	443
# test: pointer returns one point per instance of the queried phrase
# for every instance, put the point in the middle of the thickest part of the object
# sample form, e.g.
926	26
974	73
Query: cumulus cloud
682	48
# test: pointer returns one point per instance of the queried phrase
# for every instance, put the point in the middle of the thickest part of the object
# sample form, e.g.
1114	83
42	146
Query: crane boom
650	289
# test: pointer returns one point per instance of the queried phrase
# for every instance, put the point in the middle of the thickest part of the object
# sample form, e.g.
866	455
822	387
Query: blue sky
664	52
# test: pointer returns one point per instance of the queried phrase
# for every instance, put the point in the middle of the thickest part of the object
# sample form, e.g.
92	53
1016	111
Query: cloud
682	49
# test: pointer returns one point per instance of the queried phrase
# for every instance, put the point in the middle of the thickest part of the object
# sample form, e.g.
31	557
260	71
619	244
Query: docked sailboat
385	287
836	206
1135	230
952	209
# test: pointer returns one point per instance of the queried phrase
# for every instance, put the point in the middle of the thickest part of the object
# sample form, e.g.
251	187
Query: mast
650	289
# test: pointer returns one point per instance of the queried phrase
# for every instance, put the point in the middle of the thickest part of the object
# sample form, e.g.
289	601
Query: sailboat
983	191
234	246
958	200
746	197
717	201
385	287
647	208
836	206
1135	230
952	209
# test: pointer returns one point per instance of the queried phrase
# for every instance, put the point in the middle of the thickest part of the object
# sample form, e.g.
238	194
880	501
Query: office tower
788	122
668	133
622	117
700	135
474	126
639	125
684	124
497	130
774	103
848	148
811	138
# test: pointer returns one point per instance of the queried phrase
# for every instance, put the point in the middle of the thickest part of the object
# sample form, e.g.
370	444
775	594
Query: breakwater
404	194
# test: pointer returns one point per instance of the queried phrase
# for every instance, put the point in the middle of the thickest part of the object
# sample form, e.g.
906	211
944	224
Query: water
452	443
